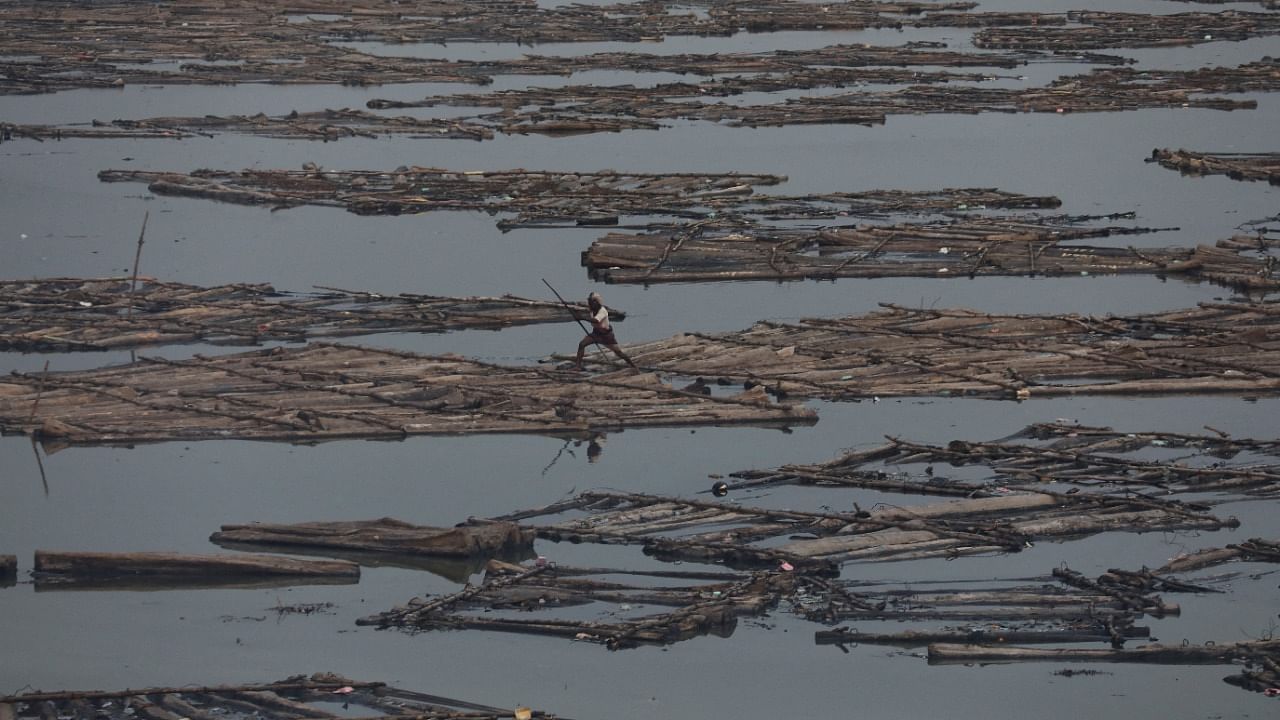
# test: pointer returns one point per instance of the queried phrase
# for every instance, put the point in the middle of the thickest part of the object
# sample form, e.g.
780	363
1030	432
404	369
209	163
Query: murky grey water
58	220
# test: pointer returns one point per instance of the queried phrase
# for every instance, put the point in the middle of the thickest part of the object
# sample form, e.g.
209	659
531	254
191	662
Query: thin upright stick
137	258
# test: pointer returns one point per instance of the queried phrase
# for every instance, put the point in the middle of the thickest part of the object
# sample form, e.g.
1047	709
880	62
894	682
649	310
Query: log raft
64	314
328	391
300	696
965	248
899	351
1237	166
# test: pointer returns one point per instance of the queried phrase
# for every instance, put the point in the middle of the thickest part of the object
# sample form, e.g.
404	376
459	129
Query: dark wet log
978	636
71	567
1222	654
387	535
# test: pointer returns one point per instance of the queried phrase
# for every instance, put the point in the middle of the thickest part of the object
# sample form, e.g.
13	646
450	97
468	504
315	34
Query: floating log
110	313
1214	348
1237	166
972	636
1252	550
102	568
386	535
1218	654
327	391
296	697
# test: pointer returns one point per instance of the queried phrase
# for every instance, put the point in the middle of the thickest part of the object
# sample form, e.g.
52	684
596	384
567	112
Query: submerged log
386	535
53	567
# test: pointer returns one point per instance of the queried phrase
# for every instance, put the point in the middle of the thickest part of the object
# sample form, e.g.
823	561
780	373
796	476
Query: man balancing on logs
601	332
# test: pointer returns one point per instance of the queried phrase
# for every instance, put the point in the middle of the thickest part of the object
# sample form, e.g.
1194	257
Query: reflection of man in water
595	447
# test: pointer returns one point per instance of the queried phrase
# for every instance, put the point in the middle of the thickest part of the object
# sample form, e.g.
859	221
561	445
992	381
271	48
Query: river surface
60	221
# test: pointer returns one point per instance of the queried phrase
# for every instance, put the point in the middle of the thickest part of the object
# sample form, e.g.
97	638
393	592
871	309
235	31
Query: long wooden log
916	638
52	566
385	535
1224	654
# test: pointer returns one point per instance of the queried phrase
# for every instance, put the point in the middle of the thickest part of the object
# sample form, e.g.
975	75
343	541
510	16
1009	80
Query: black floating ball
720	489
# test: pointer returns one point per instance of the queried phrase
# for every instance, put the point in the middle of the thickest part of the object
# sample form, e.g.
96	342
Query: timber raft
958	248
899	351
62	314
1237	166
295	697
329	391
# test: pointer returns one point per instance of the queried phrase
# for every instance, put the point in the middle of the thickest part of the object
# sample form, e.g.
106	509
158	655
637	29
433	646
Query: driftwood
960	248
105	313
384	536
1213	348
153	568
295	697
699	609
1237	166
325	392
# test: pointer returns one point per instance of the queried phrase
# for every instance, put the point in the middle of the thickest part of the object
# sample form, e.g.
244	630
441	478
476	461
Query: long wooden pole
137	258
